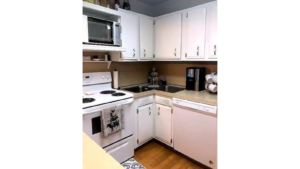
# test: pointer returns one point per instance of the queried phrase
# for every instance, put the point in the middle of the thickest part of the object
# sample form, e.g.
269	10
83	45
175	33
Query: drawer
163	100
122	150
145	100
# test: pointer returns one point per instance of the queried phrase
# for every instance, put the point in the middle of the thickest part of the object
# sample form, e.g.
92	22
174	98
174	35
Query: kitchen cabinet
211	32
85	32
146	38
163	124
145	123
195	135
167	30
129	35
194	33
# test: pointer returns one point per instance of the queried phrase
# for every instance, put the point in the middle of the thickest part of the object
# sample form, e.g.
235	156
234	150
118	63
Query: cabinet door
130	35
145	123
168	37
195	39
85	32
146	38
212	24
195	135
163	123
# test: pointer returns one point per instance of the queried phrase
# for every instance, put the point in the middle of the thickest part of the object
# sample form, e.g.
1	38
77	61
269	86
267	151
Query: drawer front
145	100
163	100
122	150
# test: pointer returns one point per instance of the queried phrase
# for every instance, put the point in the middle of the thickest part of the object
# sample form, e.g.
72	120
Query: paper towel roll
115	79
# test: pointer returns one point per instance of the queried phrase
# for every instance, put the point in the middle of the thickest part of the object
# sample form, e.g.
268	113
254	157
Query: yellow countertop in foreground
94	157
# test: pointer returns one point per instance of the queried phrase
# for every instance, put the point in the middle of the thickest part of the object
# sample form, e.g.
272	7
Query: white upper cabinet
194	33
211	32
85	33
130	35
167	37
146	38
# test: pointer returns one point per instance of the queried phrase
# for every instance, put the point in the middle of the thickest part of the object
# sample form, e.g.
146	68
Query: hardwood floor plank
155	156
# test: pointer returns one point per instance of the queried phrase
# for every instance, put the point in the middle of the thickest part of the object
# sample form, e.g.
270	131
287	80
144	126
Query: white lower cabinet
145	123
163	124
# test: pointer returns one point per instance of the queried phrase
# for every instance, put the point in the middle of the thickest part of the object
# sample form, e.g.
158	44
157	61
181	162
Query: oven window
96	125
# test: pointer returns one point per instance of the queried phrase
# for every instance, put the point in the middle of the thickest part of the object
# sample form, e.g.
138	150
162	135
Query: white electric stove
97	95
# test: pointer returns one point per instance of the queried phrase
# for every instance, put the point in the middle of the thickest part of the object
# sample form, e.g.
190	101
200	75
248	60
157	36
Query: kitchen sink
140	89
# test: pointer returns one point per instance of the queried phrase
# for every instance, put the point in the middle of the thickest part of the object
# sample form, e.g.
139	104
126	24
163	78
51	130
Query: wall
175	71
140	7
129	72
176	5
137	72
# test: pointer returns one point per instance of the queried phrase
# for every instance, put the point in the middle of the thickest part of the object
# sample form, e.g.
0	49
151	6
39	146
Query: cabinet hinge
153	22
185	54
137	111
187	15
171	141
138	141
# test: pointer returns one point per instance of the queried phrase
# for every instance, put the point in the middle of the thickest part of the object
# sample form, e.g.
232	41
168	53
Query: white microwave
100	31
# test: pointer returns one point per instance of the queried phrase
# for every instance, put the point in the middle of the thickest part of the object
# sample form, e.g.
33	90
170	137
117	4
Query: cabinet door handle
144	53
149	108
133	52
215	49
149	112
158	111
198	51
175	52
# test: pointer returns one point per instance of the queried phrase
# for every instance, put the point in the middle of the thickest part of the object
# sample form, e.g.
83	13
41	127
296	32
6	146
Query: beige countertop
201	96
94	157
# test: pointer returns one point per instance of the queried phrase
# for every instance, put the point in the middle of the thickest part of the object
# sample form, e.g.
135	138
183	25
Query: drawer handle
210	162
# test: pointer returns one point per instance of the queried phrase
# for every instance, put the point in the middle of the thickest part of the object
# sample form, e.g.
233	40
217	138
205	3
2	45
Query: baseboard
175	151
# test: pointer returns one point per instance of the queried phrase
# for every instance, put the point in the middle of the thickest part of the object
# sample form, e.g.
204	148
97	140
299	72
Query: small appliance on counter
153	79
195	78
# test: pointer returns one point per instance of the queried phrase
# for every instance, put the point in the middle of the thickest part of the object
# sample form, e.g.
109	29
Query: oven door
92	124
100	31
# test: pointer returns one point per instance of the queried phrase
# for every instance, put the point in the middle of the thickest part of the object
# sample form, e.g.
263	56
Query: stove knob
102	76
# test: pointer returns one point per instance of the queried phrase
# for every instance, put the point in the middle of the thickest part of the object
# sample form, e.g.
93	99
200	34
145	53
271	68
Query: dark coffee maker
195	78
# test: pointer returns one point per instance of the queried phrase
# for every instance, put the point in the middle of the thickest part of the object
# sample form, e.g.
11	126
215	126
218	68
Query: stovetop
96	97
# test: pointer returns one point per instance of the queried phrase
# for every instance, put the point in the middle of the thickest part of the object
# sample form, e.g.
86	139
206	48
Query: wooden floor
153	155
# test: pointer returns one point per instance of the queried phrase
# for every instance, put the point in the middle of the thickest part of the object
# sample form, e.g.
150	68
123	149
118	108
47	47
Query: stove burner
108	92
87	100
118	94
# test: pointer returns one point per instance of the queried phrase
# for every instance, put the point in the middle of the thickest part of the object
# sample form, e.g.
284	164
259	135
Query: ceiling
152	2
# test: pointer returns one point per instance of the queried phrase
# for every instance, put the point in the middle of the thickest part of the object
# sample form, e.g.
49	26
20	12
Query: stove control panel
96	78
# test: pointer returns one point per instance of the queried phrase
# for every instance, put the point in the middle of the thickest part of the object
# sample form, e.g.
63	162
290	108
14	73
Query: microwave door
100	31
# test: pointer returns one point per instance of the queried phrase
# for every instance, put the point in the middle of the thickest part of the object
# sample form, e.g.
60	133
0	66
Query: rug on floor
132	164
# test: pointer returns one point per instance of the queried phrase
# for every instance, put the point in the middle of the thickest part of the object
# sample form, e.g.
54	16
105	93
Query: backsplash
175	71
129	72
137	72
